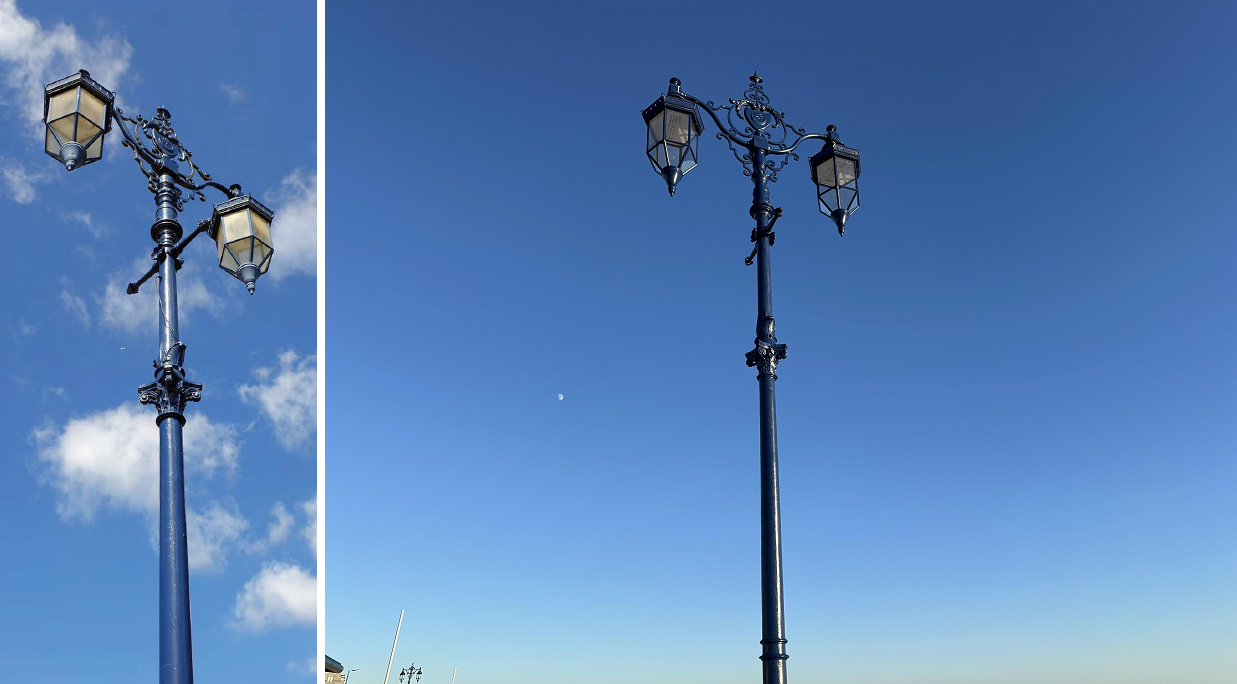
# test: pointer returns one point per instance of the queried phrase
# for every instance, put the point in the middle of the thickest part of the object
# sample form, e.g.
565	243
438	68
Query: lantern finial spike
755	78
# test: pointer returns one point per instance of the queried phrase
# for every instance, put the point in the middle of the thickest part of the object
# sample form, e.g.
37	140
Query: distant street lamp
349	674
78	113
409	672
757	135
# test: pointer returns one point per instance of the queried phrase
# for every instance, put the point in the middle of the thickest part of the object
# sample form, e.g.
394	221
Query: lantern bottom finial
72	155
249	275
672	174
839	217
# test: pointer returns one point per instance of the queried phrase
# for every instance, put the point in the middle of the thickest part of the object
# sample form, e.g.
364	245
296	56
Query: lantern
674	128
77	112
835	171
241	228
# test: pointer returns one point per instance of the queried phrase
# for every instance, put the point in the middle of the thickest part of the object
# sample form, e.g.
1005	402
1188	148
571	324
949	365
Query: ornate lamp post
409	672
78	113
758	136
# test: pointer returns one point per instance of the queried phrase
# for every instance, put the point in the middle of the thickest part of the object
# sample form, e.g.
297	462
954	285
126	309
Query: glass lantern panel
226	261
64	128
259	252
678	126
265	265
846	170
659	156
235	225
674	154
261	228
689	160
655	127
828	199
846	197
62	103
825	177
53	145
243	250
93	108
95	150
86	130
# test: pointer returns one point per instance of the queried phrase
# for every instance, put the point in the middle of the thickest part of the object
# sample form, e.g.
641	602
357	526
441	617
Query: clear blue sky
1006	419
79	584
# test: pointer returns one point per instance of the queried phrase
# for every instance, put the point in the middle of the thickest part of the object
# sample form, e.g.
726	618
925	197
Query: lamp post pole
78	112
759	140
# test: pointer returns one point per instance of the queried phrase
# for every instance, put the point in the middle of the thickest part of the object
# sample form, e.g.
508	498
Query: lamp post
78	112
349	675
409	672
758	136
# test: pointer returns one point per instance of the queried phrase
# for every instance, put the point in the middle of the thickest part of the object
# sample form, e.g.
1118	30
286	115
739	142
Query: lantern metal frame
762	142
831	152
246	271
171	176
673	100
79	151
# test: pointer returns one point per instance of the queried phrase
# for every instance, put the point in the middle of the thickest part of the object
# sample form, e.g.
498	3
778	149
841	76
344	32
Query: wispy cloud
288	397
96	229
32	55
74	304
235	94
19	181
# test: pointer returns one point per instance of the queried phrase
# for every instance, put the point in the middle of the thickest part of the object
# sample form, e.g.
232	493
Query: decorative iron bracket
767	352
170	392
757	234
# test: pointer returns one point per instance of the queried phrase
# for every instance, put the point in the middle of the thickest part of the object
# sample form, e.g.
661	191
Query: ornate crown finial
755	78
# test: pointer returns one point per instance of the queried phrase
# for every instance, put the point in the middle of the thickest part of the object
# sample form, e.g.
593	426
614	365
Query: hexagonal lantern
674	129
77	112
241	228
835	171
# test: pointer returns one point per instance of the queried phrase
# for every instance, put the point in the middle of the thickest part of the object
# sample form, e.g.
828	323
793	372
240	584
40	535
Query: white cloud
32	55
97	230
277	532
19	180
280	594
295	229
287	397
310	531
212	532
309	666
234	92
140	312
110	459
72	303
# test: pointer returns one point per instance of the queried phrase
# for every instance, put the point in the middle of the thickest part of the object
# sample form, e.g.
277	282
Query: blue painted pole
765	357
169	393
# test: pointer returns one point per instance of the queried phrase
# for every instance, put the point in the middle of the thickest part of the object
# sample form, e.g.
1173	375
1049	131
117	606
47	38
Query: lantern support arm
800	139
164	153
725	128
203	226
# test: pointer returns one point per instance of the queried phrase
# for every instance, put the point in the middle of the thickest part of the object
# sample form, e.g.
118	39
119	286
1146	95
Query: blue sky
1006	419
80	586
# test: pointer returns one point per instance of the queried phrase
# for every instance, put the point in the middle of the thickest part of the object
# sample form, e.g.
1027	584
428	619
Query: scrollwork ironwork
158	151
170	392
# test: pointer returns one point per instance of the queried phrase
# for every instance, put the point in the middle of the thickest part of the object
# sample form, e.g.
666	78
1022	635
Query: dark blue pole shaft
175	638
773	620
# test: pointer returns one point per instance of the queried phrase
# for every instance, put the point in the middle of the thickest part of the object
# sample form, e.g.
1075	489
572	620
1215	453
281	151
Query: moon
560	397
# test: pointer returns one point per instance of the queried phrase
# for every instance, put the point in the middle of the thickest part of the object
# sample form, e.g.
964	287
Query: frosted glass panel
655	128
678	126
93	108
62	103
